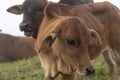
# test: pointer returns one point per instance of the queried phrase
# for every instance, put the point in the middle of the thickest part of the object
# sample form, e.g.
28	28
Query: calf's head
63	47
32	11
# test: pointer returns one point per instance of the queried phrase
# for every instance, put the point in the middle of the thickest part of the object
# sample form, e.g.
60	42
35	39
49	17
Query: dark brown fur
33	13
75	2
14	48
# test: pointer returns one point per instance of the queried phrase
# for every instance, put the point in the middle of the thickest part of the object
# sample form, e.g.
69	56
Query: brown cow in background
14	48
33	13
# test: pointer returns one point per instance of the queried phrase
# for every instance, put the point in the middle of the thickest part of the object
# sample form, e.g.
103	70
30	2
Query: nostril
23	26
90	71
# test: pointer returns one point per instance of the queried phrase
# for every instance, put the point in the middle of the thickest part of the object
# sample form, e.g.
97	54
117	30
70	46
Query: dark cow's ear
95	39
47	42
16	9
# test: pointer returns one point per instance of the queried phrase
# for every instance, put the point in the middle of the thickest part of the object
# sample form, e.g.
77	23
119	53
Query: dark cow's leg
68	77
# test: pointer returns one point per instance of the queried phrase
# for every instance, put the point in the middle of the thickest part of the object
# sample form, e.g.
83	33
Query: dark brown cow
15	48
67	44
33	13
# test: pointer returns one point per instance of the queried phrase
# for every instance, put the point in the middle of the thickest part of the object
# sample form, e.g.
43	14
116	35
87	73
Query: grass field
31	70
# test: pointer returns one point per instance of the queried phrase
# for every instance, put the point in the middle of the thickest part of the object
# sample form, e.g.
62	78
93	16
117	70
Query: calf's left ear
47	42
95	39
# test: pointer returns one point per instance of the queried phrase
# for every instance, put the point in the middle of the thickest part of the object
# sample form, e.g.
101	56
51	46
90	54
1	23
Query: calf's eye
70	42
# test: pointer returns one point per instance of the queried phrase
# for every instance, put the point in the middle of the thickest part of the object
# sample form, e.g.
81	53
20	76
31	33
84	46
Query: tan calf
70	38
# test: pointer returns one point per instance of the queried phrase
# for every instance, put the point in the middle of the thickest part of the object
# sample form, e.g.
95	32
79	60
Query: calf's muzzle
90	71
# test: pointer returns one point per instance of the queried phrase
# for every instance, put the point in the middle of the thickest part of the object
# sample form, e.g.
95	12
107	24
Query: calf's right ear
95	38
16	9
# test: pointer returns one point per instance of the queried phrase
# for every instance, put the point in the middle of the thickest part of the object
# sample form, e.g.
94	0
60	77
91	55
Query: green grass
31	70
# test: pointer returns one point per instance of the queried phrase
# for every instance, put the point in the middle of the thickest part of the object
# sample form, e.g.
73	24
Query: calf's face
32	15
66	47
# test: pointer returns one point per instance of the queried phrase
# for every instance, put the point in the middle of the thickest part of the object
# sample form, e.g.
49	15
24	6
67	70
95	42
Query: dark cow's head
32	11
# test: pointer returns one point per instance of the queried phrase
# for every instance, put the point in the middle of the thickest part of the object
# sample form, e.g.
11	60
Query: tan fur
76	23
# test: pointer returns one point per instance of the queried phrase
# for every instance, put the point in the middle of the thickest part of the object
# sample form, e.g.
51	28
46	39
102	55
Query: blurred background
9	22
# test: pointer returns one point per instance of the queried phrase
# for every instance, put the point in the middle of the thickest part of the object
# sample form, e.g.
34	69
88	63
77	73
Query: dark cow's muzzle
26	28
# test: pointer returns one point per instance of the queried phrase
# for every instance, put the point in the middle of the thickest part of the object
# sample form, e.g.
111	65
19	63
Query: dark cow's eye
71	42
40	10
